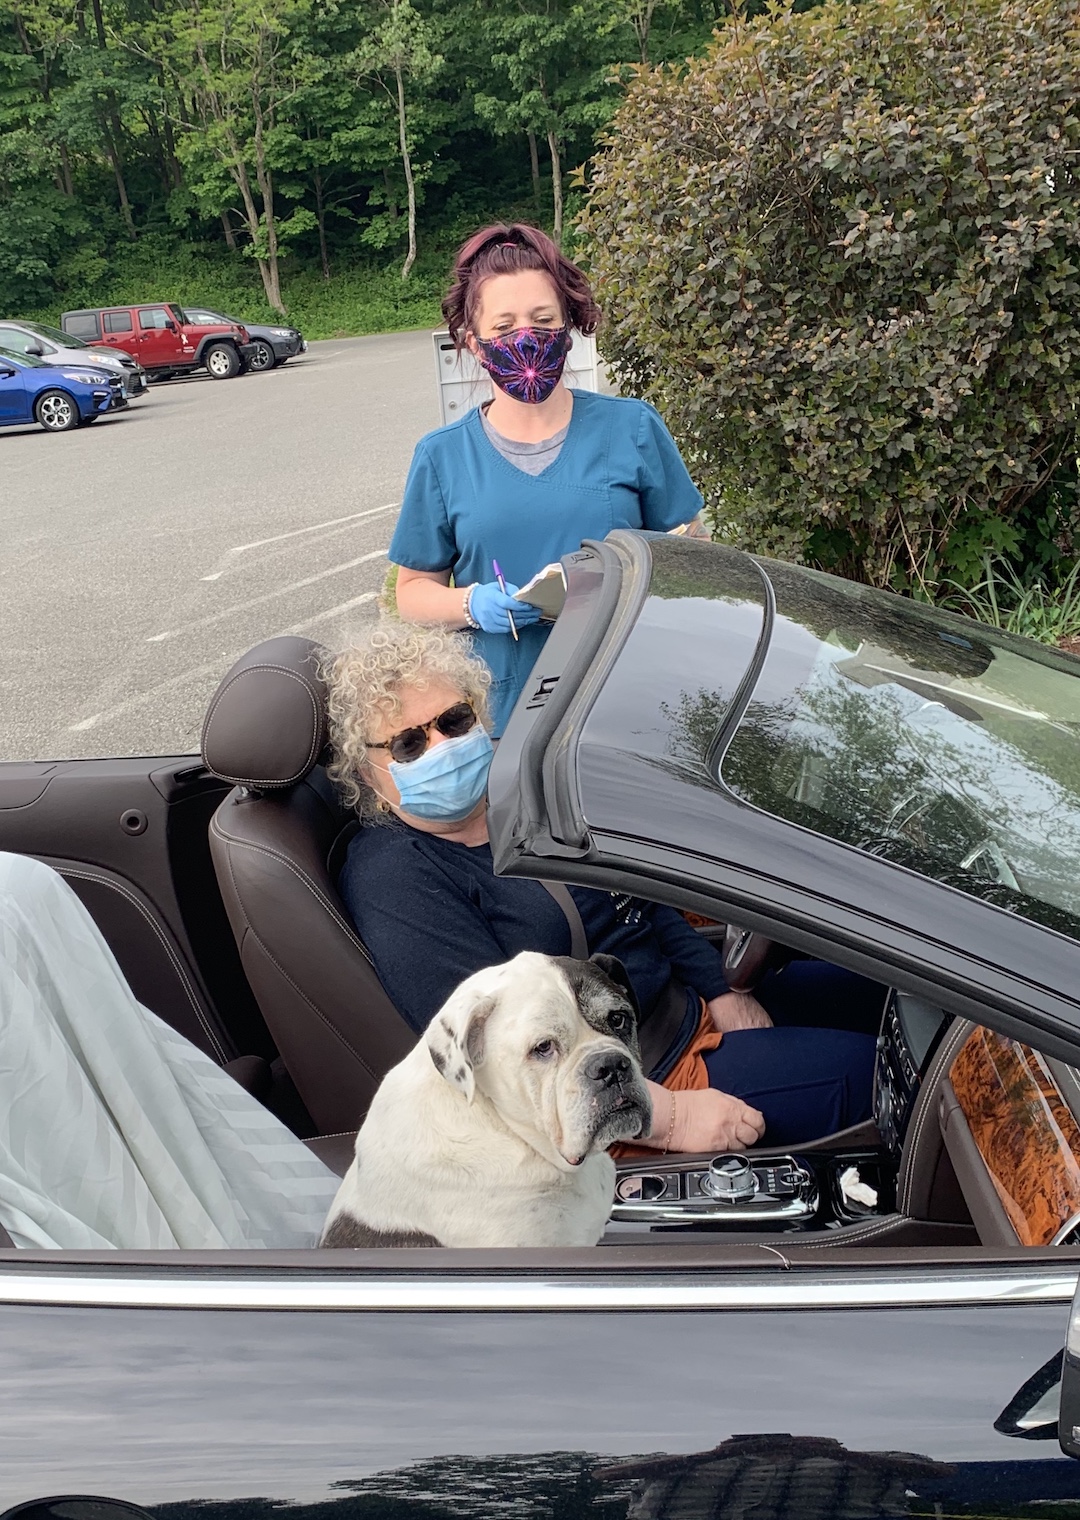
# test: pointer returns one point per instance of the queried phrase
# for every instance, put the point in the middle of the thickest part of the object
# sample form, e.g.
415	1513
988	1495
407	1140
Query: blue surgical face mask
448	780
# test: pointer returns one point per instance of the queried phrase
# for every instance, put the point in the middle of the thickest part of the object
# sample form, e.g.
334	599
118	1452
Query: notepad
546	590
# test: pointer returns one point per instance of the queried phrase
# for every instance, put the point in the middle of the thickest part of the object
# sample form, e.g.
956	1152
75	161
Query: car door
14	400
558	1388
118	329
160	343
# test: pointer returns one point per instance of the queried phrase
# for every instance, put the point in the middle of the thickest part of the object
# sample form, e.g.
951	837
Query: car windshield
909	733
54	335
178	312
24	361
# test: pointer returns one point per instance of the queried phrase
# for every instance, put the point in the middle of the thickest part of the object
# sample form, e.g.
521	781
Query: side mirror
170	324
1032	1414
34	349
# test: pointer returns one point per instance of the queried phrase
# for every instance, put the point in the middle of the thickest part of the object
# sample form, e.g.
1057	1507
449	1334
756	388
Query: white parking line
269	596
285	553
211	667
321	617
278	538
208	669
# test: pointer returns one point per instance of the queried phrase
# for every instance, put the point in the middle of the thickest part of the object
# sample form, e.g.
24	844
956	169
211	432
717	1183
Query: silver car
52	346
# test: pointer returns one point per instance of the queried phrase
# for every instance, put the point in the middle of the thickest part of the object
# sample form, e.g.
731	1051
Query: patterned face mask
527	363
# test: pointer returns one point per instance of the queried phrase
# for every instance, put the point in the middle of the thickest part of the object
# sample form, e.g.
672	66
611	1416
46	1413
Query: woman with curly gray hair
387	679
409	728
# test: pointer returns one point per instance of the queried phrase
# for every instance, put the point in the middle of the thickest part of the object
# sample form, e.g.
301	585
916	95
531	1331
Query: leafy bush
841	252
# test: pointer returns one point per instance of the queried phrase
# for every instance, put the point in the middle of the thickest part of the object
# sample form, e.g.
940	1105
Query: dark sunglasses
411	743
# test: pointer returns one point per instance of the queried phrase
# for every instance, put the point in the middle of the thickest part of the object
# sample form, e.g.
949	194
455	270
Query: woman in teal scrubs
521	481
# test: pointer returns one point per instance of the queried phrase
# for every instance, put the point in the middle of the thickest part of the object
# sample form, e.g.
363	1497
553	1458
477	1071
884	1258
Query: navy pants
813	1073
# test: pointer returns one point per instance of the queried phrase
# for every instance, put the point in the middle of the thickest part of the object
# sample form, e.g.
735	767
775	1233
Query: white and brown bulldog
494	1130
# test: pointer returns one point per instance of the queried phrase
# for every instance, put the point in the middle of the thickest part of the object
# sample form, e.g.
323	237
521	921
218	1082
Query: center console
806	1190
772	1194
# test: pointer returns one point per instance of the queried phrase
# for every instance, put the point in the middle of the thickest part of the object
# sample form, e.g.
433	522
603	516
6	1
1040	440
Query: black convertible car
872	1325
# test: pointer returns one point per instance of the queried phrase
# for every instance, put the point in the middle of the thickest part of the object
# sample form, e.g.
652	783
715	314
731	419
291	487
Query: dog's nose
608	1068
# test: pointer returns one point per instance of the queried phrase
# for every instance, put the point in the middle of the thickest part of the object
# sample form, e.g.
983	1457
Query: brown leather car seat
277	842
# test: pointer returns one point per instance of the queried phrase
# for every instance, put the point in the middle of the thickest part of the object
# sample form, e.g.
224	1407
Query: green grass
360	298
1036	610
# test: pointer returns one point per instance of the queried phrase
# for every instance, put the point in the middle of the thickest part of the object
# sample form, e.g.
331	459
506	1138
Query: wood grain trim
1024	1132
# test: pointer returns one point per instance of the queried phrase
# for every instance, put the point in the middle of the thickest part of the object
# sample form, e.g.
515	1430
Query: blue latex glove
489	605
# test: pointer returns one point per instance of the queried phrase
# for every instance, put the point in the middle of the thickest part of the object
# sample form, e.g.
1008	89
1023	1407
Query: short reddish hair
506	249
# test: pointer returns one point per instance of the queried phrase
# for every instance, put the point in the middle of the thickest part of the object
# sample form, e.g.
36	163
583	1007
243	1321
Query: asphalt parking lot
139	557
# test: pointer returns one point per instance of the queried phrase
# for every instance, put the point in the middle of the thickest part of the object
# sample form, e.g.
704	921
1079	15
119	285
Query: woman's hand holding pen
492	606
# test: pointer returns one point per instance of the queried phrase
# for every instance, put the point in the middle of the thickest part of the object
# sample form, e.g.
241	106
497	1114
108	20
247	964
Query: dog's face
551	1043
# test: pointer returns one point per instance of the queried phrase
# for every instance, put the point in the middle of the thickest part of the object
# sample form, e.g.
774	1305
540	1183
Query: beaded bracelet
671	1126
466	610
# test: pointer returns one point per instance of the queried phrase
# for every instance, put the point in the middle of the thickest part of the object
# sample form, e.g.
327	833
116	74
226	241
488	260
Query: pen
502	588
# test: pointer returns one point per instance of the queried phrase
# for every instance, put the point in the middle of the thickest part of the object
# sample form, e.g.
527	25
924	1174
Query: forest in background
837	249
315	158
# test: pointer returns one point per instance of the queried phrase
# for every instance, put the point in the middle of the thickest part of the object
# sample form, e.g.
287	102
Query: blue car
58	398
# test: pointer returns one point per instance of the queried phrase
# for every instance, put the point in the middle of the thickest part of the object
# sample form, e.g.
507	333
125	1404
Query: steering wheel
747	957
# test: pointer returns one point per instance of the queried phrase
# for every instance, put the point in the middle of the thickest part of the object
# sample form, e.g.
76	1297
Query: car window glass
52	333
154	317
202	318
118	321
700	605
910	734
178	313
83	324
17	342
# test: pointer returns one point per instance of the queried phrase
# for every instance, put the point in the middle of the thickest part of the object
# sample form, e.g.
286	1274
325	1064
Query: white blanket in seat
114	1129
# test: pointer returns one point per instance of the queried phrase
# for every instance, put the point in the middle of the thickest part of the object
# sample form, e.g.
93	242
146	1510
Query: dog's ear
614	969
455	1037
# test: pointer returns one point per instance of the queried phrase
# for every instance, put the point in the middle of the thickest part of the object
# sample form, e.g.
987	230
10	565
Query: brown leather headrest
266	723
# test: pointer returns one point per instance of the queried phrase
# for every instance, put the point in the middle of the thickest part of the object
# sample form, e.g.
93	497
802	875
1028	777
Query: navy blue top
465	505
432	911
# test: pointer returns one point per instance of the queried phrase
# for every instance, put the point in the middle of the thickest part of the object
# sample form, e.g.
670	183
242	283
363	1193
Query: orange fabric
689	1074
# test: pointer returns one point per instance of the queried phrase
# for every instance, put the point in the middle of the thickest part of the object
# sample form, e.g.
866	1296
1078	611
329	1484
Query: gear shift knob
730	1177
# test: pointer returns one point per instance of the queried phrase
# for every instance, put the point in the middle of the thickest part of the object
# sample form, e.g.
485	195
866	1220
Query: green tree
38	225
288	132
237	63
549	77
27	80
842	253
399	47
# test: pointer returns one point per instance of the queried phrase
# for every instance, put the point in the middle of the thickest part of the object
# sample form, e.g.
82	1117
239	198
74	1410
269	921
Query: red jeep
163	340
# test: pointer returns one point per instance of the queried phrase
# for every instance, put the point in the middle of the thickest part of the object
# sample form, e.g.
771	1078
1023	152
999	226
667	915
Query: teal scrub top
465	505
